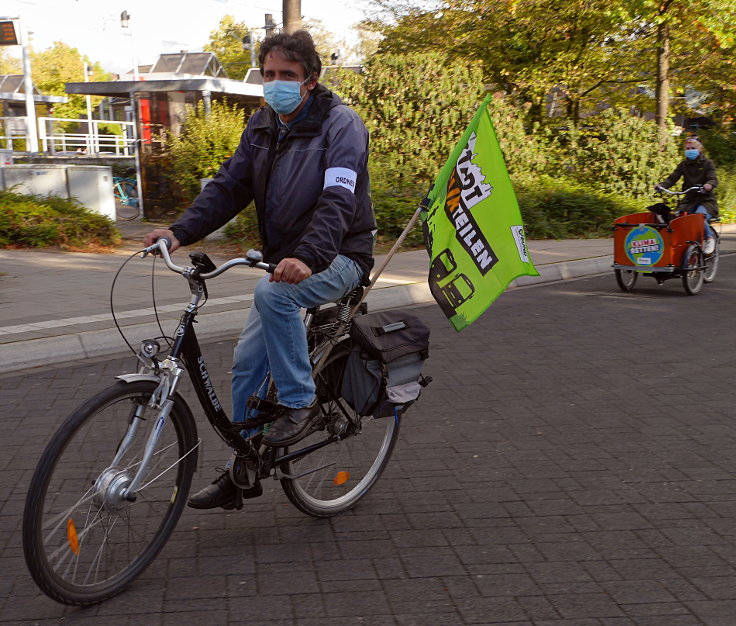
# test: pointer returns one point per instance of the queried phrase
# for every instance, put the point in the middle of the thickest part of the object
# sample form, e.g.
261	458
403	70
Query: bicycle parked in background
125	190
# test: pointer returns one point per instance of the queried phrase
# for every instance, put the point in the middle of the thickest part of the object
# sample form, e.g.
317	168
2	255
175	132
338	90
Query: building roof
124	88
12	87
181	71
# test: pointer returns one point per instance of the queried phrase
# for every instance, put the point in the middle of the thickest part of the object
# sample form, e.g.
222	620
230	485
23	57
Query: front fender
133	378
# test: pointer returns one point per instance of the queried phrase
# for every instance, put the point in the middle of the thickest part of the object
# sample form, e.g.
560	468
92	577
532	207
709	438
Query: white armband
340	176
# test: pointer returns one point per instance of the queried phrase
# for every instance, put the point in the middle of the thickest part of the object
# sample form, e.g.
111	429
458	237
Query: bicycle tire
346	469
692	271
108	542
712	262
626	279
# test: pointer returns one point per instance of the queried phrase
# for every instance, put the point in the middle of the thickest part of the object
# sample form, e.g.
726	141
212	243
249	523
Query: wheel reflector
71	535
341	478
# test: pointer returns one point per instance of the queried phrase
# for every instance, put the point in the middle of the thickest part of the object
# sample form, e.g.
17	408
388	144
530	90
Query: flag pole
384	263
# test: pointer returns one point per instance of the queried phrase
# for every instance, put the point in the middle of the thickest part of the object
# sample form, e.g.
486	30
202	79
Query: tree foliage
60	64
565	58
226	41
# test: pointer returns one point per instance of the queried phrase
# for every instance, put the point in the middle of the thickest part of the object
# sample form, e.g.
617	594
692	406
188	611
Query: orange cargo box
641	242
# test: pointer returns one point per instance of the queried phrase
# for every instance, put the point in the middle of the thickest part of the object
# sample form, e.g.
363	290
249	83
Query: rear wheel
335	477
626	279
83	541
711	263
692	270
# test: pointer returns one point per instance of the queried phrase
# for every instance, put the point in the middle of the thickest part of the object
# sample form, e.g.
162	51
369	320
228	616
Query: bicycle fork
163	398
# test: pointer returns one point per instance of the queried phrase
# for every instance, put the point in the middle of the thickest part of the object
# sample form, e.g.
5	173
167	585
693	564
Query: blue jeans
708	230
275	339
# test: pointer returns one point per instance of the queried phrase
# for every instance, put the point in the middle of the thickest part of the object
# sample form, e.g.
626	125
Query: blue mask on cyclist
692	153
284	96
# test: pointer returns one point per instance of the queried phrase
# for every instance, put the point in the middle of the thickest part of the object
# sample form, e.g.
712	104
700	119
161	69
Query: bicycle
659	245
99	508
125	190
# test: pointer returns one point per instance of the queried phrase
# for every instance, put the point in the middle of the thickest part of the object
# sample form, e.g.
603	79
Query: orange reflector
71	535
341	478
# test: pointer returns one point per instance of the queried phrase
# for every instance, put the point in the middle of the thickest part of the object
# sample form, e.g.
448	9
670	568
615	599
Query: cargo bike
652	244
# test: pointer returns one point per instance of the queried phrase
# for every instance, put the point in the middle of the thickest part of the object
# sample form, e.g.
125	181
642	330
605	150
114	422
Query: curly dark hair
297	46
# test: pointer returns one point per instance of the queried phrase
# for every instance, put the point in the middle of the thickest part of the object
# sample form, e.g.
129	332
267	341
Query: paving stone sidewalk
572	464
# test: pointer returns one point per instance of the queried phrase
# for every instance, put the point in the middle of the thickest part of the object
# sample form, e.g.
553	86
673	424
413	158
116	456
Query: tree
60	64
527	47
687	33
227	43
9	64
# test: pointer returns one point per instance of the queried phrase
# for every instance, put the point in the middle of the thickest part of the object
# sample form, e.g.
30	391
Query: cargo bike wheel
693	270
626	279
83	541
334	478
711	263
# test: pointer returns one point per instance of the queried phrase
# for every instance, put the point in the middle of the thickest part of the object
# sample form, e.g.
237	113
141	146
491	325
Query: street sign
9	33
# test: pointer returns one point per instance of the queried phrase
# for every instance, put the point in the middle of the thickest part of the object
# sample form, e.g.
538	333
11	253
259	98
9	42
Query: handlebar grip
167	241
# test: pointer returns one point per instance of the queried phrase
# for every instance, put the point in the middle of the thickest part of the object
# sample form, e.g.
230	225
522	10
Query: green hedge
35	221
560	209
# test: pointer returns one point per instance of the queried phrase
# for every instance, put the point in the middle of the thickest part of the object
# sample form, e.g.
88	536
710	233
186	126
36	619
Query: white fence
14	133
54	140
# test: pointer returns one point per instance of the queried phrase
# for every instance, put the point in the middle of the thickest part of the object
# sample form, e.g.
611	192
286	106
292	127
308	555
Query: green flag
472	227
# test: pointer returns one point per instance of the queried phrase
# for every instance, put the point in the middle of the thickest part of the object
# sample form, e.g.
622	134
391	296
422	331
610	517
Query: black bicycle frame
186	347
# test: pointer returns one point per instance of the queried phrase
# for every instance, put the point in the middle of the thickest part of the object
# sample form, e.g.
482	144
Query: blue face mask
692	153
284	96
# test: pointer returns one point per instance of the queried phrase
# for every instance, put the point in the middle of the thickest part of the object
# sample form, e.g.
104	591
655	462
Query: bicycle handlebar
680	193
252	258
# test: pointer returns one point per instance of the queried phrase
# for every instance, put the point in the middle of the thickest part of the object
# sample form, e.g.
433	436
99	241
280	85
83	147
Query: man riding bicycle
696	170
303	161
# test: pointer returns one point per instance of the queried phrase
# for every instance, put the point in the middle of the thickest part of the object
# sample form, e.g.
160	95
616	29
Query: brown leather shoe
290	425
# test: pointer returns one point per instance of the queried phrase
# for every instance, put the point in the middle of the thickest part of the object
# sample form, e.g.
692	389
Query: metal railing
14	133
55	140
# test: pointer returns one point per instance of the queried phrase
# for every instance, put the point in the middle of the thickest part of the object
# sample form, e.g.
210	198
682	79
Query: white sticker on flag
520	240
340	176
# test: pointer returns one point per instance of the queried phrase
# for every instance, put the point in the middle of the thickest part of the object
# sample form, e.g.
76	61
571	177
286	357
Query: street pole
292	10
92	146
270	25
252	48
31	127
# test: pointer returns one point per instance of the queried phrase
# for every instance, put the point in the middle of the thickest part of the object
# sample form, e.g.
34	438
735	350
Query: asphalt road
573	463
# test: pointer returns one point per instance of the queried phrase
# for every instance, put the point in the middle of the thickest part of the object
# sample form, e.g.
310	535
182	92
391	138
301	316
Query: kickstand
239	499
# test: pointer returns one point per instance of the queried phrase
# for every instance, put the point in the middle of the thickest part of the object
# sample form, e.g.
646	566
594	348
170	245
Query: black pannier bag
384	368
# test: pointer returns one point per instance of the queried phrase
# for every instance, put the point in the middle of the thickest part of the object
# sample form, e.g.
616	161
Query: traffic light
246	42
9	33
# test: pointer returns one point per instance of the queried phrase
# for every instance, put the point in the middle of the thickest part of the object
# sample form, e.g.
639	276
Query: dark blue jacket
311	189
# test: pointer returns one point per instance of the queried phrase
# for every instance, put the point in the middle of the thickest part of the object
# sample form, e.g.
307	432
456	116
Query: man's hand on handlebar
290	270
155	235
707	187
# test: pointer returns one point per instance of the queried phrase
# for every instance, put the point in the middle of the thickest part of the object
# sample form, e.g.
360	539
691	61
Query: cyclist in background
303	160
697	169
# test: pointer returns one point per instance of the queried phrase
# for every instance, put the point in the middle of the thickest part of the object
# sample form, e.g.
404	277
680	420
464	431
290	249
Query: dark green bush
559	209
35	221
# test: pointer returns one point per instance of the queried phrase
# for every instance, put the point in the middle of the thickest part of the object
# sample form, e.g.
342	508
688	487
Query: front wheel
692	270
83	541
711	263
334	478
626	279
